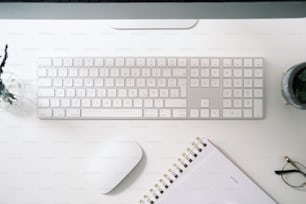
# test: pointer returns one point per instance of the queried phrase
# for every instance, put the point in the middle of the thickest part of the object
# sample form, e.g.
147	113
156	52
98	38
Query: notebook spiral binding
173	173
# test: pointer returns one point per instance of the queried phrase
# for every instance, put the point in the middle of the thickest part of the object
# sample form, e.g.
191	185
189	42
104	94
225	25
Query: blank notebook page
213	179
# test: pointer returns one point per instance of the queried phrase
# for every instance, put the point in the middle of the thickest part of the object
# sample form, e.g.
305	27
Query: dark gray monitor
151	9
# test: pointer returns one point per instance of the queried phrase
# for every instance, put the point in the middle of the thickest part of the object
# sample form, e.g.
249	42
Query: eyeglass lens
295	179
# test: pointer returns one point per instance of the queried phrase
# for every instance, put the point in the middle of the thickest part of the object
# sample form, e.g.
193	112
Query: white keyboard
151	88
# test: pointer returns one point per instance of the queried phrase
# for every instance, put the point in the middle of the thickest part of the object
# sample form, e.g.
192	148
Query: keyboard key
215	62
111	113
70	92
237	103
117	103
109	62
227	103
80	92
232	113
42	72
130	62
194	113
75	103
119	62
67	82
237	83
171	62
215	113
161	62
205	62
227	62
150	113
179	73
59	113
143	93
248	93
165	113
258	72
176	103
258	108
57	62
247	83
258	62
172	82
204	103
98	62
83	72
182	62
237	93
127	103
247	62
158	103
205	83
101	92
258	93
73	113
174	93
148	103
205	72
227	73
106	102
227	83
247	113
179	113
88	62
140	62
65	103
153	93
44	112
137	103
85	103
166	72
248	73
77	62
93	72
258	83
237	72
164	93
227	93
237	62
52	72
194	83
194	72
151	62
215	72
54	102
204	113
247	103
194	62
215	83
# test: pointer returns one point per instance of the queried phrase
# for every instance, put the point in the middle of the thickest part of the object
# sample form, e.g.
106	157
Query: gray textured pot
288	86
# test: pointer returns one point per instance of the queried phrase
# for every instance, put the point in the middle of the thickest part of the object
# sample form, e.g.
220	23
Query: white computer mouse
112	163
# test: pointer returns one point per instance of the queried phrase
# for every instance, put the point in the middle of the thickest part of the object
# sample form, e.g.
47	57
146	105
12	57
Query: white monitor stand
150	24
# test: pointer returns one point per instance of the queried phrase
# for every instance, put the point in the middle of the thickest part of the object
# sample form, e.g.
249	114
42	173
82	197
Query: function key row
151	62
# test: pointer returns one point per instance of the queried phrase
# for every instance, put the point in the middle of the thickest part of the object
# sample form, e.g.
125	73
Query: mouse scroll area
112	164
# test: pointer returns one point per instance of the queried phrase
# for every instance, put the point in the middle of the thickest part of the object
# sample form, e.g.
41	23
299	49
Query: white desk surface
44	161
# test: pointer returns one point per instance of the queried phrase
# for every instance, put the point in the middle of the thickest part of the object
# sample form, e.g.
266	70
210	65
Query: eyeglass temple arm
280	172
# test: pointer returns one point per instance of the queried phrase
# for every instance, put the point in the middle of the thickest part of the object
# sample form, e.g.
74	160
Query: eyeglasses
293	174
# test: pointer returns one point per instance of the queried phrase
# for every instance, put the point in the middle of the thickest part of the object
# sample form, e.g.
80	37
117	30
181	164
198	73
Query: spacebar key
112	113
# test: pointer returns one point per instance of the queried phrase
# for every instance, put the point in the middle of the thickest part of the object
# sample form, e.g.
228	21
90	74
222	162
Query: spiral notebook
203	175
